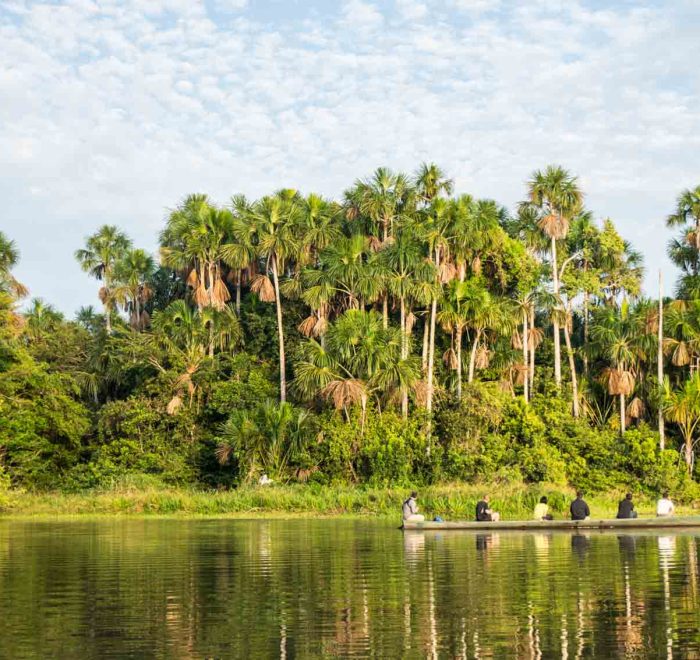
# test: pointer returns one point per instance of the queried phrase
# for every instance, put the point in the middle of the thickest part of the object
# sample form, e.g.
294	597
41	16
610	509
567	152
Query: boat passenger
625	509
664	507
410	509
579	509
542	510
484	513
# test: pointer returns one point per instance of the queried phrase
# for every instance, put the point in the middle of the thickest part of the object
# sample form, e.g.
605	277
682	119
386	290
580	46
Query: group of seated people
579	509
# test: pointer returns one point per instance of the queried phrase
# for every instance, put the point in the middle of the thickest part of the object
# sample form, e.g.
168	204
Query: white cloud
411	10
111	114
360	14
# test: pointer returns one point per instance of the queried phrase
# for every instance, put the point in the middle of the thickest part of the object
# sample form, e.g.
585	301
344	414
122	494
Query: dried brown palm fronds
534	338
476	265
320	327
344	392
374	244
219	294
201	295
410	322
262	287
681	355
450	359
223	453
104	294
306	327
483	357
636	408
389	240
693	238
193	279
304	474
554	225
520	372
420	391
619	381
447	271
174	405
516	340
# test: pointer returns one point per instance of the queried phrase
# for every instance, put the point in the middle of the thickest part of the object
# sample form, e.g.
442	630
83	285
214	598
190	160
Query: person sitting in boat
664	507
579	509
484	513
625	509
542	510
410	509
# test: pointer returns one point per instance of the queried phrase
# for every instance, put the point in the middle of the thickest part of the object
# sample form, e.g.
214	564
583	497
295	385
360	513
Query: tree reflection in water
154	588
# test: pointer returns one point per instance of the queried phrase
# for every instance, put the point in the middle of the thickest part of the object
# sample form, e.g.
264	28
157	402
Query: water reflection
342	588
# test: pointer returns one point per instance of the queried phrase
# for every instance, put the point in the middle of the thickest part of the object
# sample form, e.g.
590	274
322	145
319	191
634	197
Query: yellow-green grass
454	501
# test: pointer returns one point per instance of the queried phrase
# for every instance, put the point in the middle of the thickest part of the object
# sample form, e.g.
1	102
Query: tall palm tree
133	273
99	257
239	251
555	193
277	238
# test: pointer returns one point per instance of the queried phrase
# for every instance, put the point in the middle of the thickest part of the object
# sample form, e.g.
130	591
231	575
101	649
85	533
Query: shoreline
514	501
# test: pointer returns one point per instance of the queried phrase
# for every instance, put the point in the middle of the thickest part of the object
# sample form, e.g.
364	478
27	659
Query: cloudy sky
112	110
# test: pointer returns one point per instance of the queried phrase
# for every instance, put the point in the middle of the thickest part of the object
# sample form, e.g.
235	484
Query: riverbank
450	501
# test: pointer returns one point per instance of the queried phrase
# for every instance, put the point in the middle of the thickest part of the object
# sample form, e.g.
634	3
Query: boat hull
592	523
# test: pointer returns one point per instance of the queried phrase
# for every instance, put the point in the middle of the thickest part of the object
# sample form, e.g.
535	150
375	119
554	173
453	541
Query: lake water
307	589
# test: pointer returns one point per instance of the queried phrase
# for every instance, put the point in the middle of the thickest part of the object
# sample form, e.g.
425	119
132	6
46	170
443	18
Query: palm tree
555	193
9	257
99	257
404	266
682	406
239	251
267	439
133	273
384	199
620	339
276	222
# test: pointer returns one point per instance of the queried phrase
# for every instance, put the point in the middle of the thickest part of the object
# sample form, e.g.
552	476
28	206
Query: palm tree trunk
424	355
572	368
385	310
622	414
532	352
404	391
459	362
660	363
238	294
586	303
280	331
555	321
526	394
472	357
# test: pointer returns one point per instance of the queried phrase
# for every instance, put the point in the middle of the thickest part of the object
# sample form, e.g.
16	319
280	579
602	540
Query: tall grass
450	501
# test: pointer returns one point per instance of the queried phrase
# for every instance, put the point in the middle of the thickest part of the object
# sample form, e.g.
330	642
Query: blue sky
111	111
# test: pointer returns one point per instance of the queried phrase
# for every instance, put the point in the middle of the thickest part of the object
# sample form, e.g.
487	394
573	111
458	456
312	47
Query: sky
112	111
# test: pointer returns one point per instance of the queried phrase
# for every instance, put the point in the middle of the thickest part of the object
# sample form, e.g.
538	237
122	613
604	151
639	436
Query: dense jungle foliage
403	334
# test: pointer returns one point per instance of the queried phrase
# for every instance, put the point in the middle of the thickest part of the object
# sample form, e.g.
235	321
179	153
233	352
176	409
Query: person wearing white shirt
664	507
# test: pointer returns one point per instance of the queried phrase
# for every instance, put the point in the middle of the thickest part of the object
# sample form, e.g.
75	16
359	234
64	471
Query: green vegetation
404	335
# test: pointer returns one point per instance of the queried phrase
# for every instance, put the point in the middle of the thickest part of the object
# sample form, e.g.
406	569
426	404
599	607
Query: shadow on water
304	588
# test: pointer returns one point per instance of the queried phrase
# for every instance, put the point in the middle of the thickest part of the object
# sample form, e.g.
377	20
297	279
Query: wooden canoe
592	523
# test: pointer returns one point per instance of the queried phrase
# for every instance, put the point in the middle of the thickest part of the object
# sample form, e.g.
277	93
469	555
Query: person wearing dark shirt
625	509
484	513
579	509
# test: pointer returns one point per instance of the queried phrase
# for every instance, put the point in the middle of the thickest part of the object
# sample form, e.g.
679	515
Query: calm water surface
304	589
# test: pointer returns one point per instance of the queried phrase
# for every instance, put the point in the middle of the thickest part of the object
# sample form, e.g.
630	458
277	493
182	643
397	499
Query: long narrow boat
592	523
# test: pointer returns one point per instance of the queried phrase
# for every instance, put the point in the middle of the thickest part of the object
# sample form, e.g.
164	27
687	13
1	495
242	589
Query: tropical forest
403	335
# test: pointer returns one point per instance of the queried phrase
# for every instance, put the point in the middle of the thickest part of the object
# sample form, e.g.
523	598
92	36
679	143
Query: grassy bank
451	501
